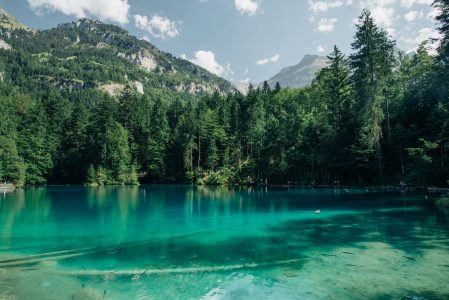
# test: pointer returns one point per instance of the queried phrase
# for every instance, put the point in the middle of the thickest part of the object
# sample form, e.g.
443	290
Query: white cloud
320	49
105	10
206	60
157	26
413	15
321	6
382	11
433	13
272	59
410	3
247	7
391	31
326	25
393	15
425	34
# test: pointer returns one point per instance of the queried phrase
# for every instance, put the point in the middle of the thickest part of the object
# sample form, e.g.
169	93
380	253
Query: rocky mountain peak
300	75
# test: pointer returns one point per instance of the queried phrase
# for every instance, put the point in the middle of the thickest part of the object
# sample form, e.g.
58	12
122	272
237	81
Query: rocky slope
299	75
93	55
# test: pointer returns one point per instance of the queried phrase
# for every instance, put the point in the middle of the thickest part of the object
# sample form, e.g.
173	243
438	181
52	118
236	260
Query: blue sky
239	39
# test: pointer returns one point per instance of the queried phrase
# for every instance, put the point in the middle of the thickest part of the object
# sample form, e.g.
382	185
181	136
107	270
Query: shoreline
430	190
7	187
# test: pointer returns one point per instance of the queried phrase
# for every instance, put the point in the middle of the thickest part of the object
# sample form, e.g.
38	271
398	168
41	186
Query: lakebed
189	242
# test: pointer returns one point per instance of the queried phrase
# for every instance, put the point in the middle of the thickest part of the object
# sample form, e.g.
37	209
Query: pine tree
334	87
371	62
73	157
115	153
33	146
443	18
338	89
157	142
91	176
12	169
212	155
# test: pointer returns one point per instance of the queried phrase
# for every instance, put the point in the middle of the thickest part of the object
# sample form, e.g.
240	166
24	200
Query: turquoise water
183	242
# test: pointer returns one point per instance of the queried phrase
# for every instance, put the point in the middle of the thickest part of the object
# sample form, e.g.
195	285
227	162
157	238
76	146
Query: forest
378	116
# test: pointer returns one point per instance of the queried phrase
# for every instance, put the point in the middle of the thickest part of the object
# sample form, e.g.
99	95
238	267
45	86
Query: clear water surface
186	242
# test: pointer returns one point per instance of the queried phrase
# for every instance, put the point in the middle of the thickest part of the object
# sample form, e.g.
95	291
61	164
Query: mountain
242	86
93	57
299	75
9	22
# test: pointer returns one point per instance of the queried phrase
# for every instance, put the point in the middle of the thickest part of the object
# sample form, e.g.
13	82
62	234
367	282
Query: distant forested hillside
73	111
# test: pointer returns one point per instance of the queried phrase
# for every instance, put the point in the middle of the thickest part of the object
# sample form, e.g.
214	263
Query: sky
240	40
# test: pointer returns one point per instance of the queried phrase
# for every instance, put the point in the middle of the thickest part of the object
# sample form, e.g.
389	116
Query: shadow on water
410	295
409	231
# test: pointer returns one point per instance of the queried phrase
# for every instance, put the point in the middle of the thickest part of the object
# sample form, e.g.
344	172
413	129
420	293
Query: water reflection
125	213
25	206
75	217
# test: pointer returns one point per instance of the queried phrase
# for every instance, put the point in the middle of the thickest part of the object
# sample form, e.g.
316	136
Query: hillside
91	55
299	75
9	22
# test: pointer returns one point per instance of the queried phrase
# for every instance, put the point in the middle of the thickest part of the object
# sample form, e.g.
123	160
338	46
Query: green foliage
12	168
373	118
223	176
443	19
157	140
371	61
91	177
421	161
103	176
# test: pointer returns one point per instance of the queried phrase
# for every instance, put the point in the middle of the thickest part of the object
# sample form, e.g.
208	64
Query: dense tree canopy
375	117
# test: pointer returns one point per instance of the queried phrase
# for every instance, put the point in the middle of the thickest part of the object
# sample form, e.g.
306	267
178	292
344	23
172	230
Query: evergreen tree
115	154
443	18
157	142
371	62
91	176
12	169
73	157
33	146
338	89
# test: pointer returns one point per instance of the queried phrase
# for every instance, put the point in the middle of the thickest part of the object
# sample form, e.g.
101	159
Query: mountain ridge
91	54
301	74
7	21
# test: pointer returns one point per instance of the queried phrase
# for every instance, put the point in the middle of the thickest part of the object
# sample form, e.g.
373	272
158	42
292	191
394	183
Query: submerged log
149	272
65	254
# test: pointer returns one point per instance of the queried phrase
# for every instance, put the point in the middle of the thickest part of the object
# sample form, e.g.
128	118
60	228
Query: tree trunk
199	150
388	129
